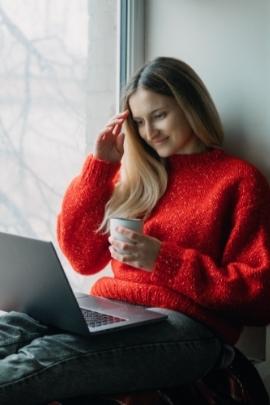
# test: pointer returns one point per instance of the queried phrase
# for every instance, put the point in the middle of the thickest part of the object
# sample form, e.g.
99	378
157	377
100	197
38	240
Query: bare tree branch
33	68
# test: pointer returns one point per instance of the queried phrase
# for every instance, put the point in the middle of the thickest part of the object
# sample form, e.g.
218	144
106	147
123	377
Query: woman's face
162	124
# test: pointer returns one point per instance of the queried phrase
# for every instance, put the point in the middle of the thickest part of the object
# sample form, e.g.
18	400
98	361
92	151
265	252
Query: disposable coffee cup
130	223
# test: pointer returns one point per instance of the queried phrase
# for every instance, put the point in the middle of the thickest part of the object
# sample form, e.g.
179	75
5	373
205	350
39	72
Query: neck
196	146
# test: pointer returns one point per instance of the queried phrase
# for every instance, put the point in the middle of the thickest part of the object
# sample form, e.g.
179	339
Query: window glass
57	73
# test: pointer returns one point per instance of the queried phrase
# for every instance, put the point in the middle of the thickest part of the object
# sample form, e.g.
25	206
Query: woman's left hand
139	251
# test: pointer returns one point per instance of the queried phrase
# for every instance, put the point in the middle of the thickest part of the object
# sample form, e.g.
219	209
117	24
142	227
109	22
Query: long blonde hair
143	175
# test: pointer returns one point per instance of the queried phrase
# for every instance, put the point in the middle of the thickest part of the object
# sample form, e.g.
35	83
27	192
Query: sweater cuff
167	264
99	171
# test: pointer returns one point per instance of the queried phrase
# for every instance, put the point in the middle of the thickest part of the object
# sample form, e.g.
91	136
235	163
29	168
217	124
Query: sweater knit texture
214	226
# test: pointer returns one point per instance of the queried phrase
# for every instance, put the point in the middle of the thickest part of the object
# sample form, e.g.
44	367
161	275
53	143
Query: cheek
170	124
183	129
141	133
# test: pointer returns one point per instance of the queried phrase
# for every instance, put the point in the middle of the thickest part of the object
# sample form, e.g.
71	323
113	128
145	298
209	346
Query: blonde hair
143	175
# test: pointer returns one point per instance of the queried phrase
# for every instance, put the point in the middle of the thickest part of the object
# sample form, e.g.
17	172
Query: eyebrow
153	111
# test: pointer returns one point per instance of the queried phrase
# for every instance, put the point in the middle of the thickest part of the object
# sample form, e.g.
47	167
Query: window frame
131	44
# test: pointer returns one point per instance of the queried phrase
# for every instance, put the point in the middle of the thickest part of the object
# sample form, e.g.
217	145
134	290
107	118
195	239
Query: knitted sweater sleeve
239	284
82	212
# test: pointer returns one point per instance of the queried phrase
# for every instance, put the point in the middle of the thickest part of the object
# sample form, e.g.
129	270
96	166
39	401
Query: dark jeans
38	365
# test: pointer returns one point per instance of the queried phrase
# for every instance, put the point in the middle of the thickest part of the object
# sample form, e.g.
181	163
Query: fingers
139	251
124	257
121	246
105	131
114	125
115	122
123	113
126	252
117	129
120	141
110	129
133	236
118	119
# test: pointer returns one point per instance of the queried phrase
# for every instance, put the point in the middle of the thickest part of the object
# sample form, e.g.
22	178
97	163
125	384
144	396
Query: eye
160	115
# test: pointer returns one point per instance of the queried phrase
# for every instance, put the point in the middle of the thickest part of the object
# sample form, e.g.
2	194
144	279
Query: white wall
227	43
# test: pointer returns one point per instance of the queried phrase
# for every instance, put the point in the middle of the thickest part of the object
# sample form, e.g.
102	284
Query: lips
159	141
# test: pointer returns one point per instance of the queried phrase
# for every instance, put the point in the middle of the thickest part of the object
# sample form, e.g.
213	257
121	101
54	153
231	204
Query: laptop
32	280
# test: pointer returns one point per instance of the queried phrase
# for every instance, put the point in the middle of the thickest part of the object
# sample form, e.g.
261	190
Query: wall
227	43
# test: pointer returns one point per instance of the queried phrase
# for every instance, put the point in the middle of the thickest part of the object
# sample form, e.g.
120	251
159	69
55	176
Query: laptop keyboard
96	319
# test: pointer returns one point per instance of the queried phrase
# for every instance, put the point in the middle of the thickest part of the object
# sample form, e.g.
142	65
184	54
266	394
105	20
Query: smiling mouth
159	141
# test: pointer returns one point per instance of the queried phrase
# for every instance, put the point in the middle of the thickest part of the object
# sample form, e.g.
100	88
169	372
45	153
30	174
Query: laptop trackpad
117	308
110	307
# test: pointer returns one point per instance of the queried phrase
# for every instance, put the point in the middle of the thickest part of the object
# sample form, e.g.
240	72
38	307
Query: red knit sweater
214	225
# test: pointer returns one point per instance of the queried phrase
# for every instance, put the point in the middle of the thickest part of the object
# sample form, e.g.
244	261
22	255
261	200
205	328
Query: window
59	85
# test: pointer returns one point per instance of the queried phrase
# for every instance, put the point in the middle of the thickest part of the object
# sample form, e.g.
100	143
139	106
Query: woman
204	256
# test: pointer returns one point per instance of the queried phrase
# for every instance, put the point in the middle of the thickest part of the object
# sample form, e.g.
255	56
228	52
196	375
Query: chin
164	153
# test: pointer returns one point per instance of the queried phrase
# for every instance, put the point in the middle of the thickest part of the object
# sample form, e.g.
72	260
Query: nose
150	131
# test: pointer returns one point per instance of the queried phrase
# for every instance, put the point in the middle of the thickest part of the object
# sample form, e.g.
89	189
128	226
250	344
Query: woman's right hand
110	142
